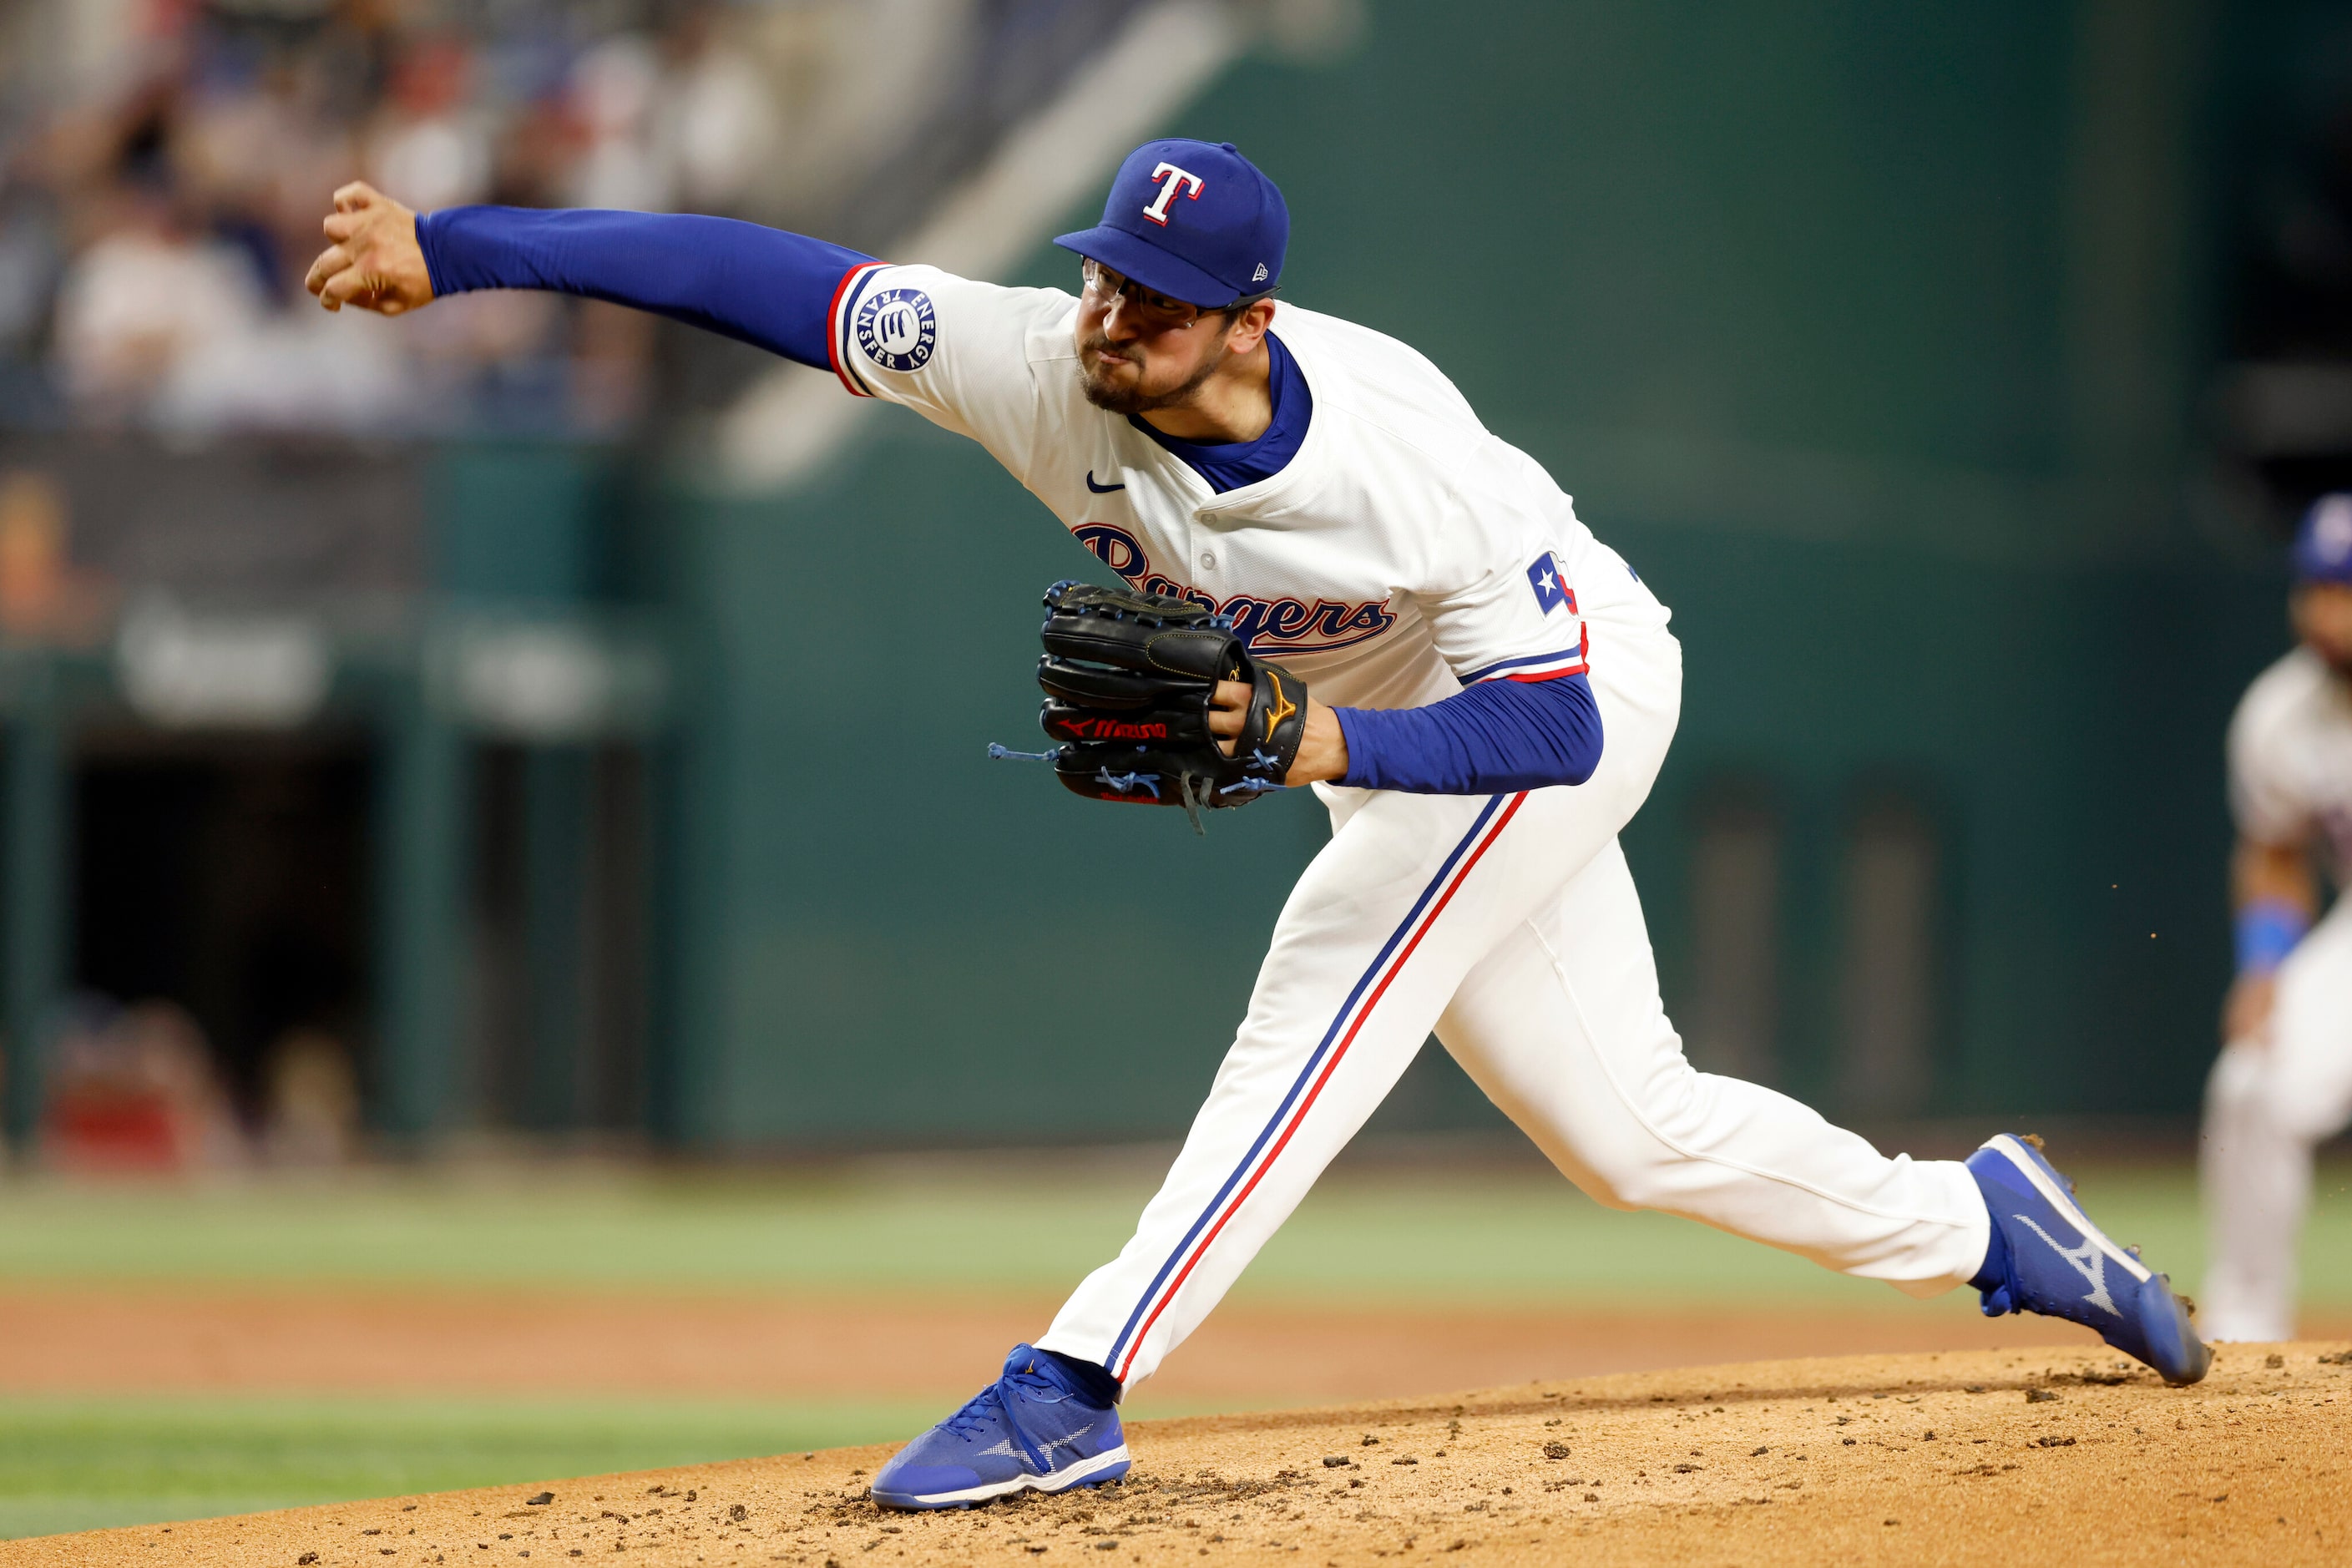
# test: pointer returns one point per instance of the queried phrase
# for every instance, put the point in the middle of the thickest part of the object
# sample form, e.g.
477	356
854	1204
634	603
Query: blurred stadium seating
439	698
165	167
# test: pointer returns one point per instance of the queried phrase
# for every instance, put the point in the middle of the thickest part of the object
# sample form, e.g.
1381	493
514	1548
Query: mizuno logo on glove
1278	710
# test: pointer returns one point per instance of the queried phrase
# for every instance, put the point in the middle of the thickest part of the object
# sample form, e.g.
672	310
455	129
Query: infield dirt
1992	1457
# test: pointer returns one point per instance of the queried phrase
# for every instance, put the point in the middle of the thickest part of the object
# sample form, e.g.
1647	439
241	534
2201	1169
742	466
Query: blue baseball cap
2323	545
1194	220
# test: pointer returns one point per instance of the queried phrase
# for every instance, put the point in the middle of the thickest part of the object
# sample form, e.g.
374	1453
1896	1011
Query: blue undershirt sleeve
1494	738
759	285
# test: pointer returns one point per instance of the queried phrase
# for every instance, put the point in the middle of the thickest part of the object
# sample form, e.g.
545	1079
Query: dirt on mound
1990	1458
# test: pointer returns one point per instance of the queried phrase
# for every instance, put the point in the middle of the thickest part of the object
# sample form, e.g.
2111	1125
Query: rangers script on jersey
1405	552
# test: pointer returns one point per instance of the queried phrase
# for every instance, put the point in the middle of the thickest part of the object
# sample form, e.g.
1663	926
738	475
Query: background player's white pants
2270	1101
1509	925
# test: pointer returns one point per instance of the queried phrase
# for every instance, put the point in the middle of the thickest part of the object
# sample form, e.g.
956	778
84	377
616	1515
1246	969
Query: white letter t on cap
1158	211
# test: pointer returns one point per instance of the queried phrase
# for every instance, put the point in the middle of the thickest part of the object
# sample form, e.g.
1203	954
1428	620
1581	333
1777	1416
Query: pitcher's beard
1131	401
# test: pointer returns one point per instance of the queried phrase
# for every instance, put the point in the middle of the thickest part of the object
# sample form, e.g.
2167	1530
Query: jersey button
1208	561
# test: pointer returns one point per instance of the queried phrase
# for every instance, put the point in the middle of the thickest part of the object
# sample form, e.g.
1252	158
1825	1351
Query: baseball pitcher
1299	512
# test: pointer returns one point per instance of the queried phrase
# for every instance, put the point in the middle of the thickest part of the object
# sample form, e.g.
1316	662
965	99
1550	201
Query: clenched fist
374	262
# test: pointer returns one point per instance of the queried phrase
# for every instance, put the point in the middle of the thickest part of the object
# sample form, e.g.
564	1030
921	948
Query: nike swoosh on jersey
1101	490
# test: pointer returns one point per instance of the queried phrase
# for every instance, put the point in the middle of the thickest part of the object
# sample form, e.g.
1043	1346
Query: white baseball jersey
1402	553
2291	759
2276	1095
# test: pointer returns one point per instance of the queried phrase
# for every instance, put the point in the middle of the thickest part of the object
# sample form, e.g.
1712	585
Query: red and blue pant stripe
1349	1021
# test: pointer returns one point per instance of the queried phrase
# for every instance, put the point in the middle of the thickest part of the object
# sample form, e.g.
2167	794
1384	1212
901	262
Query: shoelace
975	1413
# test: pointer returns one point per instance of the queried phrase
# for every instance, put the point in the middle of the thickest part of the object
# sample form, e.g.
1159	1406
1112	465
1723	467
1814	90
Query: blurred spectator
160	191
32	253
429	143
717	118
145	293
609	370
32	548
313	1115
291	371
42	596
613	90
134	1089
255	148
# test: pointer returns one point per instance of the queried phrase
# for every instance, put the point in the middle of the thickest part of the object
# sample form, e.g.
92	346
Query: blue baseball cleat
1033	1430
2047	1256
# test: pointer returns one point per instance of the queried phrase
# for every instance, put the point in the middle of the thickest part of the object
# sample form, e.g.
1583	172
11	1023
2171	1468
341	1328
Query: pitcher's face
2322	613
1140	350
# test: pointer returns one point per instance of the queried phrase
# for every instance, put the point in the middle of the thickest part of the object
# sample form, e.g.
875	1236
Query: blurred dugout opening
326	805
228	878
225	935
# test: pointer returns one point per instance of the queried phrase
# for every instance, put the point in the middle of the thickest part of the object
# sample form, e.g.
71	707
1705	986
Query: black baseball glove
1129	680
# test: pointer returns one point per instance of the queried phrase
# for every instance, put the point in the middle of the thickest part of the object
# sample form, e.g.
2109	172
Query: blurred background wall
476	723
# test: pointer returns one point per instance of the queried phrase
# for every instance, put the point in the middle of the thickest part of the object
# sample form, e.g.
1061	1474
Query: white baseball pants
1509	925
2271	1099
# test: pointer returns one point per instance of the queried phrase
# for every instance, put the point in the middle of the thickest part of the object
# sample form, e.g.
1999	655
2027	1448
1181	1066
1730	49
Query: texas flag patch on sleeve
1552	592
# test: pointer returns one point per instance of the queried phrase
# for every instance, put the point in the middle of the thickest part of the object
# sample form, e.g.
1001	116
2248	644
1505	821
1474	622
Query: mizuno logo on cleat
2087	1261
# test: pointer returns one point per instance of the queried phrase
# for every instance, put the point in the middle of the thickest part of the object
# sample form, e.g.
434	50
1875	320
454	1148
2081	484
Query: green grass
68	1464
1366	1238
1538	1240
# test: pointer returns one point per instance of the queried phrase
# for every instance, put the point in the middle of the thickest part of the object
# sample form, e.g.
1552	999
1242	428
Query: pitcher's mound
1994	1457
